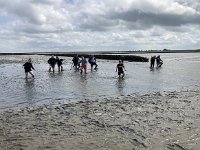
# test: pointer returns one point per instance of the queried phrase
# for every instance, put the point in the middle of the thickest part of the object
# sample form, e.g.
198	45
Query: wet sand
160	121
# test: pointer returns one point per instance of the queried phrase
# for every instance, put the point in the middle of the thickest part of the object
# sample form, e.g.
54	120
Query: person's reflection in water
82	87
30	91
58	74
120	84
83	79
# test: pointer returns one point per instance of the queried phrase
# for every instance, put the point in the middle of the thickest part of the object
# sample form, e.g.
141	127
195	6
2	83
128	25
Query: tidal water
179	72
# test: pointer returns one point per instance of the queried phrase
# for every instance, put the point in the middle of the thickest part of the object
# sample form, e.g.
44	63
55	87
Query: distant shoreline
101	52
110	55
98	55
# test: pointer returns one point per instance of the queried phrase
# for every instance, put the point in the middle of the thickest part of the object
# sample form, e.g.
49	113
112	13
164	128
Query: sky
98	25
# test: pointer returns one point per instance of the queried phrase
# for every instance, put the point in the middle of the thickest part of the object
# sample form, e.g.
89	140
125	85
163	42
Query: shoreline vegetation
110	55
158	121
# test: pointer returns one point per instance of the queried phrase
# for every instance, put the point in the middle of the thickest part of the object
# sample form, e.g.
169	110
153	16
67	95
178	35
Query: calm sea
179	72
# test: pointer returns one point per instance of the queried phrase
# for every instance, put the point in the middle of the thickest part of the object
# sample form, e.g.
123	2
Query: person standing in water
159	61
92	61
152	61
83	65
28	68
75	61
120	68
52	63
59	63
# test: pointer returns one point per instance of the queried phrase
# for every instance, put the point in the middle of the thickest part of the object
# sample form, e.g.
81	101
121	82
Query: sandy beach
159	121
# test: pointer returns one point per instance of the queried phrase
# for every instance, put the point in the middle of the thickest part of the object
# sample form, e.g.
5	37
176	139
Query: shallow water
179	72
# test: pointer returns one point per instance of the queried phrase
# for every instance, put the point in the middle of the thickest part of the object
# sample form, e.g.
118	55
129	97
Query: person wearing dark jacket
52	63
92	61
59	63
28	68
159	61
120	68
75	61
152	61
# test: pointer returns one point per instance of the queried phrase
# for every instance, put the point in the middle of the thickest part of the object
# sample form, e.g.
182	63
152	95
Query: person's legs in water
91	65
123	74
157	63
85	69
119	74
81	69
75	65
31	74
26	75
152	64
96	66
49	68
59	68
53	67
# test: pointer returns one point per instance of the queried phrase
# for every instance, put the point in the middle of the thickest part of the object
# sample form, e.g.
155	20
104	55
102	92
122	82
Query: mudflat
159	121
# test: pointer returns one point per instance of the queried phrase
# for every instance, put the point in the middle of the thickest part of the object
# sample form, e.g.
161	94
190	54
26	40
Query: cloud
100	24
35	12
137	14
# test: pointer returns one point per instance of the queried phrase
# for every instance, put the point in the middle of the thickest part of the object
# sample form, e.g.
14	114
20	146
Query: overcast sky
69	25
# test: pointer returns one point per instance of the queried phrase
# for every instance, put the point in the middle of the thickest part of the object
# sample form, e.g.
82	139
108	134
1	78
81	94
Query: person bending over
92	61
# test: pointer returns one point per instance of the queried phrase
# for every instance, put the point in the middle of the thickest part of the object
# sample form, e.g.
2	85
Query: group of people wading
78	64
158	60
81	64
52	63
